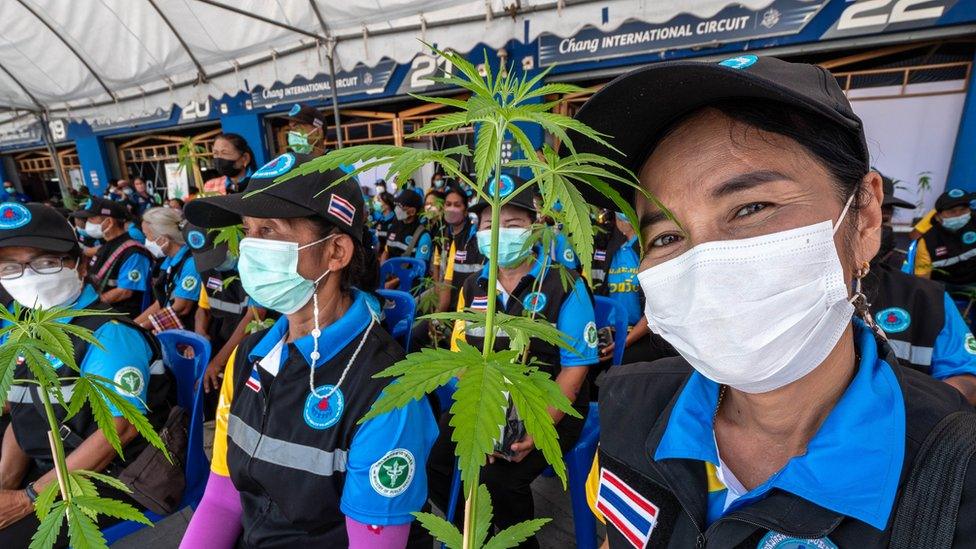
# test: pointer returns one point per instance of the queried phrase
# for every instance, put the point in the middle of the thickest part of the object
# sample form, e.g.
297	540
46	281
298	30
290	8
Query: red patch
323	404
375	529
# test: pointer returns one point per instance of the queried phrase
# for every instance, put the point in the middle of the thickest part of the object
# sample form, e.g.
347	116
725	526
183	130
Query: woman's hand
213	377
522	448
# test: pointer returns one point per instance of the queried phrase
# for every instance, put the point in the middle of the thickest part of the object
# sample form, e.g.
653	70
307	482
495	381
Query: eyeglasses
10	270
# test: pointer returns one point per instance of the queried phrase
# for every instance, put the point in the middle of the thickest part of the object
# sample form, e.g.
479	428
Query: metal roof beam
202	73
263	19
20	84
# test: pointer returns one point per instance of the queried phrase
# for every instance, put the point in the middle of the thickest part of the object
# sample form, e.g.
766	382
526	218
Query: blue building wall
962	170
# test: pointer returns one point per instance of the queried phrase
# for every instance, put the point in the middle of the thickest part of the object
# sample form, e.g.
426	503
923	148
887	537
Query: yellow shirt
204	301
925	223
219	463
923	260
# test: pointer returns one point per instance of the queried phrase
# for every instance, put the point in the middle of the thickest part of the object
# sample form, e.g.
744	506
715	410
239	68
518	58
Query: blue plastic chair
189	394
399	313
909	265
406	269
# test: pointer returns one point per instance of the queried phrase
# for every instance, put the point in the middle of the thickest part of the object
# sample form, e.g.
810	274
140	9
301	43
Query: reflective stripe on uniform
479	331
397	244
284	453
157	368
467	267
598	274
914	354
226	306
968	254
19	395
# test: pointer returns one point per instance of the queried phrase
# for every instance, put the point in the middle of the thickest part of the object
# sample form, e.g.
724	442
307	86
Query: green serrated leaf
482	520
111	508
104	387
50	528
82	530
419	373
516	534
477	416
45	500
443	531
105	479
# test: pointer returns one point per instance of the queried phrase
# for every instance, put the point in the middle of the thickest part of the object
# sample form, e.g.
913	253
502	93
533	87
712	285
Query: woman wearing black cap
291	467
408	237
41	267
946	251
786	421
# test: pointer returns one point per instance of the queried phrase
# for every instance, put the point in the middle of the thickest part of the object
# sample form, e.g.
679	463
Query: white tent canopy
114	58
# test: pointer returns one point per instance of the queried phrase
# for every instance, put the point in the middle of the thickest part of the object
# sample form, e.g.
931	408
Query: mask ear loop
860	301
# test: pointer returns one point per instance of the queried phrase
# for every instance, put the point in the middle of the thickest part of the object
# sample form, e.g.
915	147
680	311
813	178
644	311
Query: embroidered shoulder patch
392	474
630	513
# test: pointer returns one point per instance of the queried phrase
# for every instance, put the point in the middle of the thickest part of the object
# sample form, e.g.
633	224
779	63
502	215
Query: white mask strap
319	241
843	212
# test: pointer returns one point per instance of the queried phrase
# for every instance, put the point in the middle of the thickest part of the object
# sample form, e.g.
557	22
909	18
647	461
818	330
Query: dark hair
454	189
241	145
388	199
438	194
834	147
363	270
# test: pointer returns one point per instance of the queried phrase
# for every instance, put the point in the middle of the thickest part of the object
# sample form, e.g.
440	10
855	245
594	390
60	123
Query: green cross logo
189	283
970	344
135	276
130	381
590	334
392	474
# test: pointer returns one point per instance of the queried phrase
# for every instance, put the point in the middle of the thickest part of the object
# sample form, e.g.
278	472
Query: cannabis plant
42	339
499	106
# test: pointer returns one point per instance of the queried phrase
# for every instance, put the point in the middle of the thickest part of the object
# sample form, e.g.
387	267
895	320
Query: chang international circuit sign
732	24
361	79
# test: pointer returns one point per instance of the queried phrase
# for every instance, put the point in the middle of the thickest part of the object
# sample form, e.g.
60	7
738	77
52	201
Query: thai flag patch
254	380
600	255
631	513
215	284
480	303
460	256
341	208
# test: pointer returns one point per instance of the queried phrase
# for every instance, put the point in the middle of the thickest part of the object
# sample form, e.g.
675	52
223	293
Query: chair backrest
406	269
188	370
610	313
189	374
909	265
399	313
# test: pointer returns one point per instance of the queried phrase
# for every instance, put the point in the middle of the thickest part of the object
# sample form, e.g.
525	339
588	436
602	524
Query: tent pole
66	198
335	95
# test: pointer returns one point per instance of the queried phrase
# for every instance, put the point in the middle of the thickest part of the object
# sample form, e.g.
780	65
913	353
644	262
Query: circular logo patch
295	109
13	216
392	474
424	249
189	283
970	344
507	186
196	239
893	320
775	540
130	380
534	302
969	237
276	167
134	276
740	62
569	256
320	413
955	193
590	334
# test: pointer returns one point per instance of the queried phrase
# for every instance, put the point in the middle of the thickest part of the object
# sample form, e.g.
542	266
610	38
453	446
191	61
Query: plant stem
57	447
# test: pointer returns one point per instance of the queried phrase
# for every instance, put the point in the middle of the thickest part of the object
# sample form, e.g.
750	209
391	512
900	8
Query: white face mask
401	214
155	249
94	230
43	291
754	314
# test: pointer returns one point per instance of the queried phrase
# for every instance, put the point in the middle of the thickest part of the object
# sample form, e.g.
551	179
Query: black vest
953	253
553	292
290	475
132	306
396	241
227	299
30	424
911	311
635	404
383	228
166	282
467	257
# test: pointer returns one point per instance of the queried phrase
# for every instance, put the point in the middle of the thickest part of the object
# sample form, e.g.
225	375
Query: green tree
497	106
39	338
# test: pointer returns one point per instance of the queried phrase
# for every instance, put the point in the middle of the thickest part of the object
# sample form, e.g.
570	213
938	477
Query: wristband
31	493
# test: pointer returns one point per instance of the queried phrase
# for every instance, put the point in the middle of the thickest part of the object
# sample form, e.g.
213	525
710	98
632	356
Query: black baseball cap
889	195
206	255
951	199
307	115
307	195
35	226
634	109
410	199
525	198
94	207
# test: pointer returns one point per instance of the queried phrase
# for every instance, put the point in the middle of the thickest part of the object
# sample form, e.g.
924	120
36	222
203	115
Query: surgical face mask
377	207
511	245
225	167
269	273
957	222
438	183
9	188
380	189
755	314
94	230
298	142
401	214
43	291
155	248
453	216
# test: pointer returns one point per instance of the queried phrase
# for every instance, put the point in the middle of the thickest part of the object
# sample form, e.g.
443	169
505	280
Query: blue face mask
269	273
511	245
956	223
